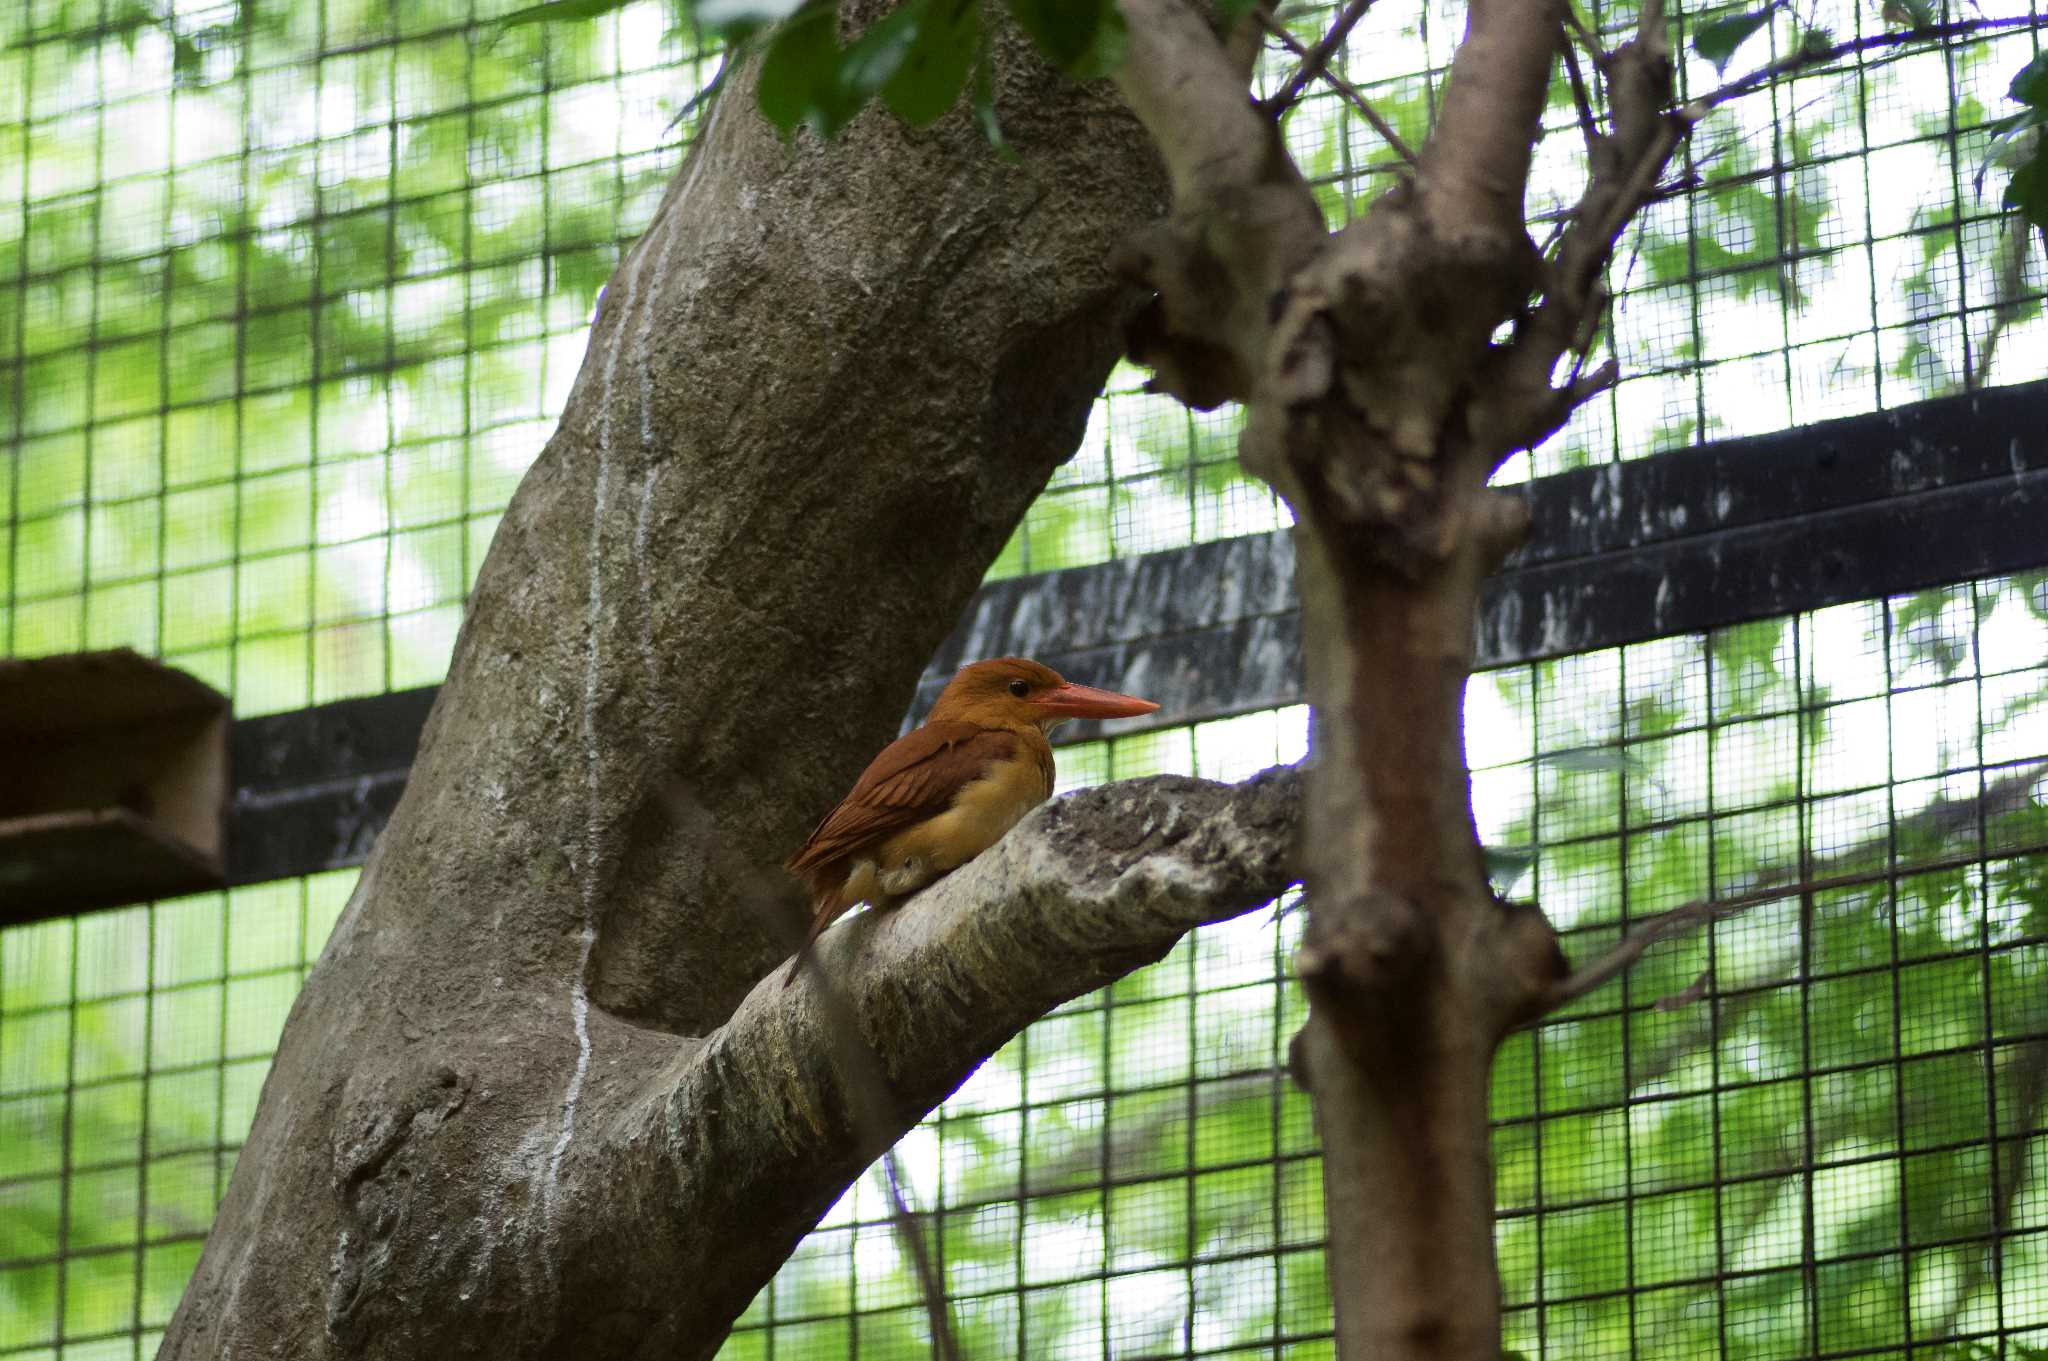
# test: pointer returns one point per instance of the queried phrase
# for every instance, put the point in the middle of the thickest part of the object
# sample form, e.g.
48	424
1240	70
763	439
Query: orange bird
941	795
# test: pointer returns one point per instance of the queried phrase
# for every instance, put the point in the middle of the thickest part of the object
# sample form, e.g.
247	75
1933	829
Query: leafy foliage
1137	1167
2027	191
918	59
1717	39
563	10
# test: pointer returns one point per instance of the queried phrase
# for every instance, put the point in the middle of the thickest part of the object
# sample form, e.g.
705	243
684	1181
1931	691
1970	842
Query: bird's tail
821	917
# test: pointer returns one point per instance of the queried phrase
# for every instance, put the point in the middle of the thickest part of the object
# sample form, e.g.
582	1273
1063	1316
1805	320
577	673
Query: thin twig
867	1091
1343	87
1817	55
1580	97
1622	956
905	1216
1576	27
1315	62
2010	301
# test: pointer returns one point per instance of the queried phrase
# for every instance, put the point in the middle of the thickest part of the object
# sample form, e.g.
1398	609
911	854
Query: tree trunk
519	1109
1387	370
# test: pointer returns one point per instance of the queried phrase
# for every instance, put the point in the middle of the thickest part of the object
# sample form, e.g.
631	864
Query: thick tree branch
1243	218
759	1126
723	575
1357	356
1191	97
1476	164
1625	162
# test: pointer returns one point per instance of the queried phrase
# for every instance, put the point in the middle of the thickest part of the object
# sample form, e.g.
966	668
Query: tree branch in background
1818	52
1313	62
858	1067
931	1282
1316	63
1626	164
1943	817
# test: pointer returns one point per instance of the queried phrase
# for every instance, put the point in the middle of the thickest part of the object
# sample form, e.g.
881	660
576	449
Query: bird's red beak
1085	701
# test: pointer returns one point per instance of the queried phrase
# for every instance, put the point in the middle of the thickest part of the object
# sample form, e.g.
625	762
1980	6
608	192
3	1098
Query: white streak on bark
593	832
644	578
643	360
643	357
579	1002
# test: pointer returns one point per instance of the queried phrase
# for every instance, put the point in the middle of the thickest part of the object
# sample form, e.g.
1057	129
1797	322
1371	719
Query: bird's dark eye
1020	688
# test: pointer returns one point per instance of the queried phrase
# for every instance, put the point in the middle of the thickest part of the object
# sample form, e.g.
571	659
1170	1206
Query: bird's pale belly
981	813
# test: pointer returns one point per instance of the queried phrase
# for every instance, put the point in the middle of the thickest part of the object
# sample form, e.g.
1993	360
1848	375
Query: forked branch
1316	62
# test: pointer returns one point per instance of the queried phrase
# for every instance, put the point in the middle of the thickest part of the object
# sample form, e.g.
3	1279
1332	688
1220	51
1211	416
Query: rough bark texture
525	1105
1379	401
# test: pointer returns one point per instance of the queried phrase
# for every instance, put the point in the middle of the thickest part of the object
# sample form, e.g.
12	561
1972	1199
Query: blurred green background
290	295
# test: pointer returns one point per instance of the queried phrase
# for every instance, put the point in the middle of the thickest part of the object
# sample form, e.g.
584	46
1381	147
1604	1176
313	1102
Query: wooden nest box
113	782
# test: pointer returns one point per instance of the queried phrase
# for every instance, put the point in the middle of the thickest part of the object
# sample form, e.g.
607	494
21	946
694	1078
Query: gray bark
526	1104
1380	397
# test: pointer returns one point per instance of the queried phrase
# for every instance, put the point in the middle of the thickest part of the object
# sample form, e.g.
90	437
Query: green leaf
2026	193
1084	38
734	18
800	74
1717	39
935	69
2030	86
808	78
561	9
878	54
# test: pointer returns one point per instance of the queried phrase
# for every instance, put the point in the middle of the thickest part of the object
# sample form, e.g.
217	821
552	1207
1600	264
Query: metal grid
1834	246
133	1046
283	330
290	301
1132	1176
1820	1128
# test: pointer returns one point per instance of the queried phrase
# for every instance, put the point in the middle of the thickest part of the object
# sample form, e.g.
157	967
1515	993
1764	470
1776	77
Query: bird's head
1015	692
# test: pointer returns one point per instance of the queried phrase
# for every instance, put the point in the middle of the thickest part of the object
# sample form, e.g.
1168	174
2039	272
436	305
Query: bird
945	792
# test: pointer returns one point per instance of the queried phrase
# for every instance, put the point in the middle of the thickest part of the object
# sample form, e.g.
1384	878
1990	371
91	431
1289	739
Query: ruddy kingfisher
942	794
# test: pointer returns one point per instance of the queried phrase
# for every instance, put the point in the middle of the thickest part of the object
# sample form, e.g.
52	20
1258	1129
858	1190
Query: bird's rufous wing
913	778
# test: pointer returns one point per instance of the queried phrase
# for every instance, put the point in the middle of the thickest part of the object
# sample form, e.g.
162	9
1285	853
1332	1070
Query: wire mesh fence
288	303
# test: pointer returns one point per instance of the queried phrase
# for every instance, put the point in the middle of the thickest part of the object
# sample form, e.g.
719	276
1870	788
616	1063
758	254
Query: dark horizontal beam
1684	542
313	787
